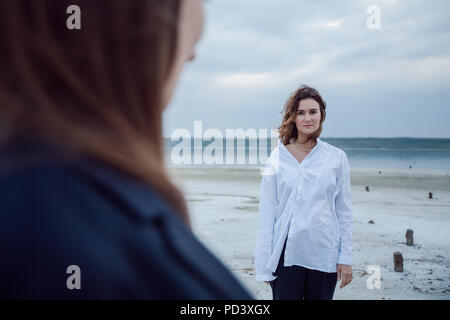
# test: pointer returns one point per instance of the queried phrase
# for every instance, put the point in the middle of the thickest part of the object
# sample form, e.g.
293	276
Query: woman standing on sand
304	236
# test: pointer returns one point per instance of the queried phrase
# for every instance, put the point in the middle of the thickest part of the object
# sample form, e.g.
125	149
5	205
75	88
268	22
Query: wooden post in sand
409	237
398	262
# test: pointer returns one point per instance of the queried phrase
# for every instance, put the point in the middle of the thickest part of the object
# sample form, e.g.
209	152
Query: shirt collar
287	155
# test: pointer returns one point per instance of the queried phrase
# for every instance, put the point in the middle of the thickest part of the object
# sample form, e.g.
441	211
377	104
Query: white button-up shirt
309	203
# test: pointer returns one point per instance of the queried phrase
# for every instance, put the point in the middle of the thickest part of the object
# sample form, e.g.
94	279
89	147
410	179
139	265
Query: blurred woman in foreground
87	209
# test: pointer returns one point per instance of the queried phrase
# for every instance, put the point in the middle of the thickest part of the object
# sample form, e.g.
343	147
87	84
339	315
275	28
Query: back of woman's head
98	89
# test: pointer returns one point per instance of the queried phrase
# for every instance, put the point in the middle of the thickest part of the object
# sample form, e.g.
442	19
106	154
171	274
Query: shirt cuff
345	260
265	277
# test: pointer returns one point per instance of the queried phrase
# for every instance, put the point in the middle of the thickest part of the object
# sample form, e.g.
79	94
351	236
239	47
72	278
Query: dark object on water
379	172
430	195
371	222
367	188
410	166
398	262
409	237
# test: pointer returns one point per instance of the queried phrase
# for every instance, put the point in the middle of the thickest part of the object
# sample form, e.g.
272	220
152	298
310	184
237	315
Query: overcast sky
387	82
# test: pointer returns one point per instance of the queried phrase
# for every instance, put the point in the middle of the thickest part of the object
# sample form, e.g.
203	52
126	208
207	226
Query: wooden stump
398	262
409	237
367	188
430	195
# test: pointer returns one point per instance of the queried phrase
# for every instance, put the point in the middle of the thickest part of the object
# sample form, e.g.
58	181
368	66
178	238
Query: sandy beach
224	211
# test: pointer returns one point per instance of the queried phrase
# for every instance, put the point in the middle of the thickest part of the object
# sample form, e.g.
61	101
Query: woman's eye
301	113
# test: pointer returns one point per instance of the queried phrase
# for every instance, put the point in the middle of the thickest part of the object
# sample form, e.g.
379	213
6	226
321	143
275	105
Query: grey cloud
277	45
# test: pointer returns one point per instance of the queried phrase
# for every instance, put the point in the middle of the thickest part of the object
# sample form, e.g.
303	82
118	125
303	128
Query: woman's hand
345	273
267	282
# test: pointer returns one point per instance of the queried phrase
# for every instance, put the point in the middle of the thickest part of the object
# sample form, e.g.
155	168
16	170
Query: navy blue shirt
125	239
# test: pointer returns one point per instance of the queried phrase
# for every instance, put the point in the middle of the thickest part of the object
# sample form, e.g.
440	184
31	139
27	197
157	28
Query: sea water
372	153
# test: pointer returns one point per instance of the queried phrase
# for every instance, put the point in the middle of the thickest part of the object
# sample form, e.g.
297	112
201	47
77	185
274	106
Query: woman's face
308	116
190	29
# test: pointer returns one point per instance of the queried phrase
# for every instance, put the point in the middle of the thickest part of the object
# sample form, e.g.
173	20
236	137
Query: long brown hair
98	89
288	130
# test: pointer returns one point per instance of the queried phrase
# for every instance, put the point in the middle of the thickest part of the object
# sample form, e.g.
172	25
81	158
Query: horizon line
369	137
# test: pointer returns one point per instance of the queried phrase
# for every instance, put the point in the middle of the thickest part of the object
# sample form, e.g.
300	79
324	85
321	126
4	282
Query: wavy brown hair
98	90
288	132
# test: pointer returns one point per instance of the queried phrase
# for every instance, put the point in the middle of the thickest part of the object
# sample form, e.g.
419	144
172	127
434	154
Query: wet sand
224	211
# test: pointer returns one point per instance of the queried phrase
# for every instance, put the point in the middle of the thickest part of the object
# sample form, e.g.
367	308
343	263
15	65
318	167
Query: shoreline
432	180
424	171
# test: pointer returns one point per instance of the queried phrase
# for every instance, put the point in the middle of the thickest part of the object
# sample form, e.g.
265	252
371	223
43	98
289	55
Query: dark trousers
299	283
